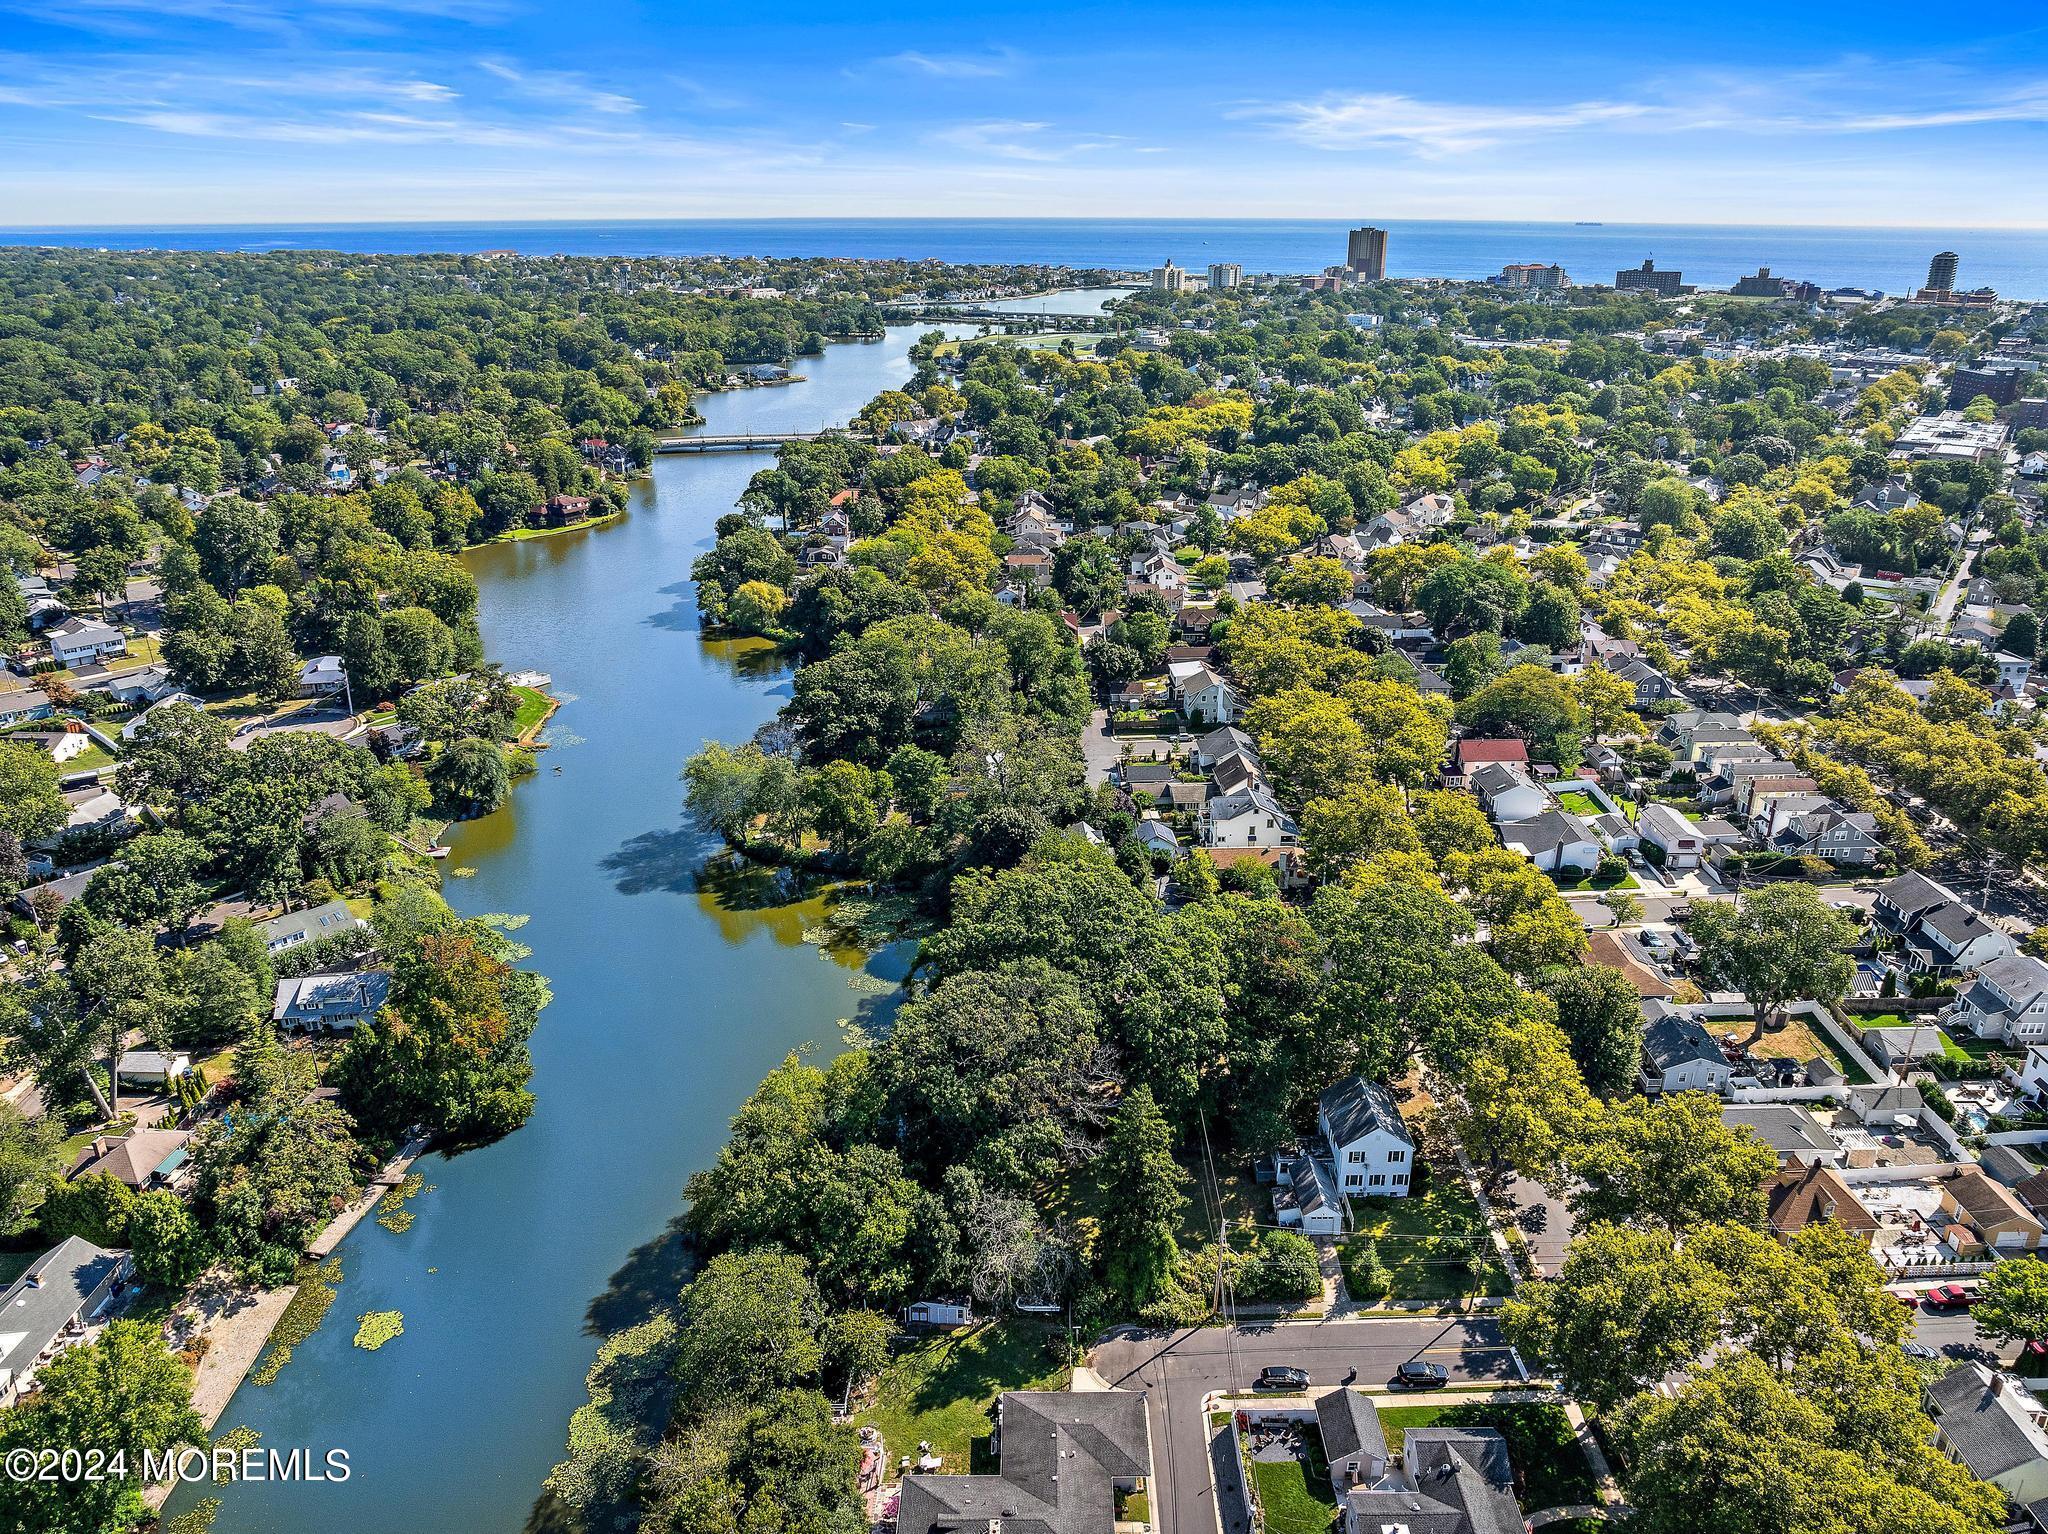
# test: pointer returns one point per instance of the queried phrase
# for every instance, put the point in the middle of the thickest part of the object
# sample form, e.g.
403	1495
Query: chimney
1998	1384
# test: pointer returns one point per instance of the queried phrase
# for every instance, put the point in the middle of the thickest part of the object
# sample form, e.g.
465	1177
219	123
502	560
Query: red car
1951	1296
1911	1302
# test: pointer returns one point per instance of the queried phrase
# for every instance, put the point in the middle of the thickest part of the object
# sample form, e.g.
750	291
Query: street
1176	1370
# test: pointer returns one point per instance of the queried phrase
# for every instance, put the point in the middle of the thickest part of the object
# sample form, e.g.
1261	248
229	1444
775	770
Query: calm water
671	1001
2014	261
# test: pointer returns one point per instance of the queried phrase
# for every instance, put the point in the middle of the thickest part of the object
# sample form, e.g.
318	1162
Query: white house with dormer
1250	817
1371	1149
1202	693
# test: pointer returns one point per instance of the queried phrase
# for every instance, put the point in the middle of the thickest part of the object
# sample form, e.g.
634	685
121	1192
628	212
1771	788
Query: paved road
1099	750
1177	1370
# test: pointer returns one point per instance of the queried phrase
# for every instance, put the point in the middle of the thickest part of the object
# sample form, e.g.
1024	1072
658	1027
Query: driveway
1099	749
1176	1370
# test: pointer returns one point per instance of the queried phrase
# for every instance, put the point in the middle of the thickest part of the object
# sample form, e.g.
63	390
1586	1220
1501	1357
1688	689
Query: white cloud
1384	119
955	66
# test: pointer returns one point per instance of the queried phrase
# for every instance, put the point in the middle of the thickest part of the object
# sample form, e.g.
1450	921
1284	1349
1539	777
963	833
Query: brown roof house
1985	1216
1800	1195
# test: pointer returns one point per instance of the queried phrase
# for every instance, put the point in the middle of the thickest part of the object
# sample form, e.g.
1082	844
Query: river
674	993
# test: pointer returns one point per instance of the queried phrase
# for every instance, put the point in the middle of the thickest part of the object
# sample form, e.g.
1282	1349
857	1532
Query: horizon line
940	219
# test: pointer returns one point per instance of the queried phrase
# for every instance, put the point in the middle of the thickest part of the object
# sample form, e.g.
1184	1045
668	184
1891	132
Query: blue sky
197	111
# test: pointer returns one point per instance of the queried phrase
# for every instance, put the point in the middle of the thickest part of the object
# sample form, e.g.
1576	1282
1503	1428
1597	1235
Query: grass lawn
1580	803
943	1389
1550	1468
1424	1242
533	707
1620	881
1800	1040
1295	1493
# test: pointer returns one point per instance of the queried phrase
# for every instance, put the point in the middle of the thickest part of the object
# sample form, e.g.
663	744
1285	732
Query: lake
675	992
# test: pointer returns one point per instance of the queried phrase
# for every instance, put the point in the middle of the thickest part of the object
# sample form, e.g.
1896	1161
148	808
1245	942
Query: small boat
437	852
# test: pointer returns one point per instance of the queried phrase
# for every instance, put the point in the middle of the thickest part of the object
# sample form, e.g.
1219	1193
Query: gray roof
2006	1164
1229	738
1464	1484
1912	892
300	926
329	999
1355	1107
2019	975
1665	821
1490	778
1349	1426
1781	1126
1675	1039
43	1301
1973	1416
1956	922
1546	831
1059	1455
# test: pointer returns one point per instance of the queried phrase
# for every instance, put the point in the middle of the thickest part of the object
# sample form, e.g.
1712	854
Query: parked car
1911	1302
1950	1297
1281	1377
1919	1351
1418	1375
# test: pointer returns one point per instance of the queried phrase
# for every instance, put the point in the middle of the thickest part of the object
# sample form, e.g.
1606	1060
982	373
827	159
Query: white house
1506	791
1679	1055
321	675
1250	817
2007	1001
81	641
1370	1147
1993	1426
1305	1197
1201	692
296	927
1554	840
1662	827
154	1067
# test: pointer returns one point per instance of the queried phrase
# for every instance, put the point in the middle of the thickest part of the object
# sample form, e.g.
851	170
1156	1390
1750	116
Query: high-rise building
1764	285
1941	272
1647	279
1225	274
1366	254
1169	278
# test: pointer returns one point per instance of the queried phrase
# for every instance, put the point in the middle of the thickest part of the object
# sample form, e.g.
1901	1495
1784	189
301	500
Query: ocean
2013	261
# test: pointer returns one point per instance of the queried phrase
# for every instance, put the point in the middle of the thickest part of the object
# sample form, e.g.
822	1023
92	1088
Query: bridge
750	442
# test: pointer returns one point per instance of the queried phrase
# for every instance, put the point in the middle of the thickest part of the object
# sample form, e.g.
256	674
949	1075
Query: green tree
31	806
2012	1301
750	1324
470	778
1782	943
125	1393
1140	1247
1602	1018
31	1162
1671	1161
169	1249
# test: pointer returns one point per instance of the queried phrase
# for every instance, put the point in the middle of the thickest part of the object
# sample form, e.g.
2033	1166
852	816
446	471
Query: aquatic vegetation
374	1328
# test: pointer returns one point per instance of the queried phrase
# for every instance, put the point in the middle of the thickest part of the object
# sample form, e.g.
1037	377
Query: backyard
1426	1243
1800	1040
943	1389
1550	1467
1579	802
1293	1484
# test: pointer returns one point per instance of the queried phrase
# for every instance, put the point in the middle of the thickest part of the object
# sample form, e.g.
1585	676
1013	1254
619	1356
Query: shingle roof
1349	1425
1059	1455
1355	1107
38	1305
1982	1416
1675	1039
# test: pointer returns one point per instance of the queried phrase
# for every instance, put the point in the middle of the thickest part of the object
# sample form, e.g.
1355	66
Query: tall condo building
1225	274
1647	279
1367	254
1941	272
1169	278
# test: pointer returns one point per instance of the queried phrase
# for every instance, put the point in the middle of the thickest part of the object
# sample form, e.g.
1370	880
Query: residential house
1202	694
1674	836
1305	1196
1250	817
1228	741
81	641
133	727
1354	1444
1938	932
24	707
1902	899
1370	1147
1506	791
153	1067
1801	1194
1555	841
310	926
1991	1425
333	1003
1793	1133
141	1159
1679	1055
1474	750
1903	1047
321	676
51	1306
1651	685
60	746
1986	1217
1063	1459
2006	1001
1847	838
1454	1481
